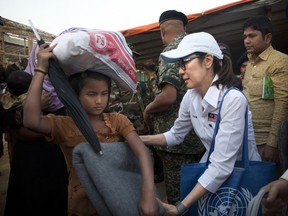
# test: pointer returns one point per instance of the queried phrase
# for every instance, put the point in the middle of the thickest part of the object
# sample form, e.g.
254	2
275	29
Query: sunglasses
184	61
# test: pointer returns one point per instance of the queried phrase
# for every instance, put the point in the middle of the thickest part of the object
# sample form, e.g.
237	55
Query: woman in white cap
207	75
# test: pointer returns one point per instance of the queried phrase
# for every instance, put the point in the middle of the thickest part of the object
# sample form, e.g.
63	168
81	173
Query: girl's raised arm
32	114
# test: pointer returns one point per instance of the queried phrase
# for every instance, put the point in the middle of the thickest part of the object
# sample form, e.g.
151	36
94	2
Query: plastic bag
106	52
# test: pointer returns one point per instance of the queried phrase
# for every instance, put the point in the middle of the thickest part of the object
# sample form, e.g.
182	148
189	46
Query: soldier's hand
147	117
142	130
270	154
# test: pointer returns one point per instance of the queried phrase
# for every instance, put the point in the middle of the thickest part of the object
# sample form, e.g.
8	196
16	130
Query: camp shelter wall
17	40
224	23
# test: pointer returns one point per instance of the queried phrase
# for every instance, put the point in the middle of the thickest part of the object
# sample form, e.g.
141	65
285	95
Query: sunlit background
54	16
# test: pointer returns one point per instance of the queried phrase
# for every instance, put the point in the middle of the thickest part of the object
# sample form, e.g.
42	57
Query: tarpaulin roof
223	22
155	26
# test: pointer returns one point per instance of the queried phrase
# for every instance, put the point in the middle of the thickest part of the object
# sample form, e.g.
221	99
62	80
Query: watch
181	208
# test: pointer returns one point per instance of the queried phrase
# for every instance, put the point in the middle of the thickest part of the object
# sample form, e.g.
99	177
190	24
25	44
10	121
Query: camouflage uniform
191	149
142	83
129	104
150	90
149	97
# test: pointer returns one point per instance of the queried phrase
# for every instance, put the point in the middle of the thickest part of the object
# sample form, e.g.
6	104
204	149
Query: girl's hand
44	54
170	210
149	206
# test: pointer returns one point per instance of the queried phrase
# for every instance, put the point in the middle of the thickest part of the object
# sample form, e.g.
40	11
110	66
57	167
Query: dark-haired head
18	82
78	80
223	68
2	74
149	65
242	59
259	23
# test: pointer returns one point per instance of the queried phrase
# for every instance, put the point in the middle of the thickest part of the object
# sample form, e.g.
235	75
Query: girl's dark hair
2	74
223	68
78	80
18	82
259	23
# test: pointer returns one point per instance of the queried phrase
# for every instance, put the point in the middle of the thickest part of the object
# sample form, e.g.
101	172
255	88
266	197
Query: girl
93	90
207	75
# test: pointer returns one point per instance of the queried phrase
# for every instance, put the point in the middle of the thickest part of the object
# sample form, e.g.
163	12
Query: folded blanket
112	181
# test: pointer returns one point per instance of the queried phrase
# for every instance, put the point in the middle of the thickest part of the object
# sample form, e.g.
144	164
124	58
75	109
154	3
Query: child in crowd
12	103
38	177
93	90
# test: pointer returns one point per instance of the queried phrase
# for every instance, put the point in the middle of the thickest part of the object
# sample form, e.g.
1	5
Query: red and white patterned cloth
106	52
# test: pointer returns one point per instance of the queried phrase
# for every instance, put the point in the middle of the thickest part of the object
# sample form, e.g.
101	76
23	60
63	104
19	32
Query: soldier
149	69
163	110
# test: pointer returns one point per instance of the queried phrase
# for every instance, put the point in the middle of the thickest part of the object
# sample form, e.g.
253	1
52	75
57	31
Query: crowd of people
172	113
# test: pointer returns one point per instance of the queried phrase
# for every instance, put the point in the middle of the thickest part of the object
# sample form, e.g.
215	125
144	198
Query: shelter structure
224	23
17	40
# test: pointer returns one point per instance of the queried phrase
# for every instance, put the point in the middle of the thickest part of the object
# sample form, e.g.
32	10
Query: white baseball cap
195	42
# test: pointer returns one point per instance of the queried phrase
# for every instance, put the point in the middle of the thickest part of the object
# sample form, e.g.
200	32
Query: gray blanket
112	181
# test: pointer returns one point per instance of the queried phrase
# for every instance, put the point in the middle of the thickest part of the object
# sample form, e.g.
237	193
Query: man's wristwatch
181	208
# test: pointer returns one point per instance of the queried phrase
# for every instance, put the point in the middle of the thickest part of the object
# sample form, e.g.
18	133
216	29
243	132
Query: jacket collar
213	94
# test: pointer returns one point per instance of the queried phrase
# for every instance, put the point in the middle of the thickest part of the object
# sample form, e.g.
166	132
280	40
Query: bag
233	196
255	204
112	181
81	49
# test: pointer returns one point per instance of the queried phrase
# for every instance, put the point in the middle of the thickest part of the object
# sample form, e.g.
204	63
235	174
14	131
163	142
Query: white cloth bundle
106	52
